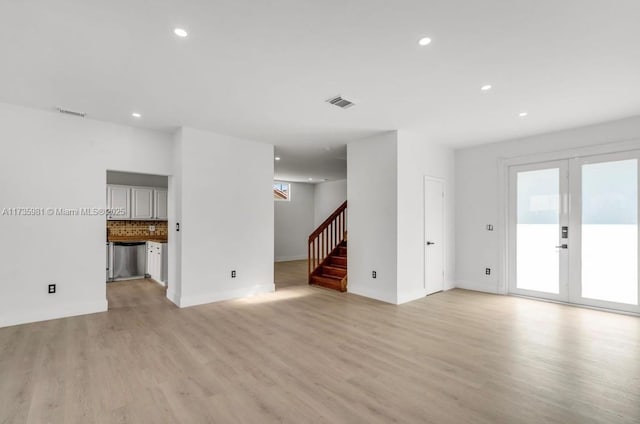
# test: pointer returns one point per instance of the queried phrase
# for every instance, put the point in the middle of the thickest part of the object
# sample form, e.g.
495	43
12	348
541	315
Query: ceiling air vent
340	102
71	112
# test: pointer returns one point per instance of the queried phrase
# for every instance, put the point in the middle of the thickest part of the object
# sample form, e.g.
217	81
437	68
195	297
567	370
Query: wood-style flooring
310	355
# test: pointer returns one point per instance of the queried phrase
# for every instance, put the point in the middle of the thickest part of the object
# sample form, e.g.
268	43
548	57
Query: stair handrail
326	238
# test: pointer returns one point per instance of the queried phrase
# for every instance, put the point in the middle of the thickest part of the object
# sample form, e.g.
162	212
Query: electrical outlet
233	274
52	288
487	271
374	274
489	227
152	228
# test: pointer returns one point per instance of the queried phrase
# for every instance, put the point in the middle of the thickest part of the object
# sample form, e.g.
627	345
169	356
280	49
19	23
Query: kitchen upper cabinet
137	203
161	203
119	202
142	203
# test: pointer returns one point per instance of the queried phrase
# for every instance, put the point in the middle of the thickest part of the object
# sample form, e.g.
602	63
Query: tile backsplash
136	228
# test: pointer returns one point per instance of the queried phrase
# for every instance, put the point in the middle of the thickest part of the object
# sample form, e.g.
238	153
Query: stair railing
326	238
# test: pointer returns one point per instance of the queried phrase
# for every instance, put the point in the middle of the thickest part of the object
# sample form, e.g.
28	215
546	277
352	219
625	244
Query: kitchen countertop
159	239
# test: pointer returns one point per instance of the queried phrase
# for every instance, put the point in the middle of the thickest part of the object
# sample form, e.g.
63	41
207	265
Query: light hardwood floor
306	354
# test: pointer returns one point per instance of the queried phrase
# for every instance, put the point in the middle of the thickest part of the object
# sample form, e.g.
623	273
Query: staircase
332	274
328	252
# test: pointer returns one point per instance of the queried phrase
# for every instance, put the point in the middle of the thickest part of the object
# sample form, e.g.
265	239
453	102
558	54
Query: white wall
226	218
327	197
310	205
294	223
478	196
52	160
372	216
386	214
417	158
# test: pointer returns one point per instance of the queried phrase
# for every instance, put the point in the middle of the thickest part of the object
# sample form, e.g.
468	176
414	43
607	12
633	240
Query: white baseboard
59	311
186	301
411	296
290	258
173	296
163	284
478	286
372	294
448	285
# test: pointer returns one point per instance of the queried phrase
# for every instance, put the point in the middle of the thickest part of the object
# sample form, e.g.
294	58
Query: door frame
504	163
424	229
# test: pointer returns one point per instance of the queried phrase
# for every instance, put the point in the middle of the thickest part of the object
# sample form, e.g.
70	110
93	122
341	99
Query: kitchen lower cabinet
157	261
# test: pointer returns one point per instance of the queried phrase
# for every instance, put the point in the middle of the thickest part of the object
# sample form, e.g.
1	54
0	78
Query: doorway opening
137	237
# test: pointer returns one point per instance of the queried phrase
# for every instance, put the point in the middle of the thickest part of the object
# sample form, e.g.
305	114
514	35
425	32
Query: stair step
334	270
338	261
329	282
342	251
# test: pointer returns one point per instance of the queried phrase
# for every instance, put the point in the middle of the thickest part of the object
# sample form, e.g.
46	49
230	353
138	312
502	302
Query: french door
573	231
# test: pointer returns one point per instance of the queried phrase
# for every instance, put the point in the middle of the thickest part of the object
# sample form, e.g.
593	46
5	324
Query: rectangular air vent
71	112
340	102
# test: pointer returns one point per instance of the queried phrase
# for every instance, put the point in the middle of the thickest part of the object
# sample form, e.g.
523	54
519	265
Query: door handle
562	246
429	243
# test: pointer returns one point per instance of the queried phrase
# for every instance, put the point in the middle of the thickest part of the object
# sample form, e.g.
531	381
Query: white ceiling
263	69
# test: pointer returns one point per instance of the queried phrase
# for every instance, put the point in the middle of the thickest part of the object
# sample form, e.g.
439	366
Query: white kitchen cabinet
164	264
137	203
118	202
161	203
142	203
156	261
151	258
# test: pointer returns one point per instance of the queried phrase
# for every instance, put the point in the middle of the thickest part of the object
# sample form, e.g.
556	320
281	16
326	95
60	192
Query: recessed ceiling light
180	32
425	41
486	87
310	179
523	114
136	115
277	157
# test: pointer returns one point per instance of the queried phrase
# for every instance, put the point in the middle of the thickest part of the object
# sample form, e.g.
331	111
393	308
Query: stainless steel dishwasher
129	260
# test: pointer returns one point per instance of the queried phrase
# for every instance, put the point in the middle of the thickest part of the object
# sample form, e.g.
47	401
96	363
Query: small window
282	191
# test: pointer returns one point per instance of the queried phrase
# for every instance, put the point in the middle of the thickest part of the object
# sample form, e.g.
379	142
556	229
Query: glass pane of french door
609	231
538	217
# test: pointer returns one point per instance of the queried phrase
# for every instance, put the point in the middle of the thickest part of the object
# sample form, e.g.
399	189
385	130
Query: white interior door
434	235
538	213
